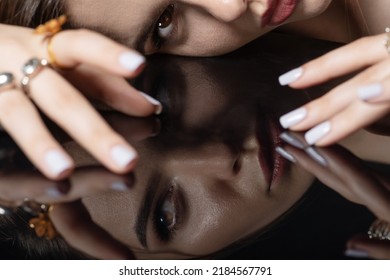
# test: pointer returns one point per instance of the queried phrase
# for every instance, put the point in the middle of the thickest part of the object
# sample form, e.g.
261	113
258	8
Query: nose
224	10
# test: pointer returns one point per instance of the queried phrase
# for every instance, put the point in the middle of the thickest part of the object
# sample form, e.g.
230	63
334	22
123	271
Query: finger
87	181
366	247
114	91
361	87
341	125
96	50
337	63
323	173
75	225
356	182
70	110
16	186
21	120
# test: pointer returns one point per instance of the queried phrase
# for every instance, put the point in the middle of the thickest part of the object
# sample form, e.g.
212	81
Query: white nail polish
354	253
122	156
119	186
131	61
293	118
156	103
317	133
368	92
54	193
285	154
291	76
57	162
315	155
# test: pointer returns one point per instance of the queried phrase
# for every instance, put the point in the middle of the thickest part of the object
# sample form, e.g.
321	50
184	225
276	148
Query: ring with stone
6	81
30	70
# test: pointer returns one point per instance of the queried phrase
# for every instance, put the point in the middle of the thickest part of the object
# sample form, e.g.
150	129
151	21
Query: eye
168	212
164	27
165	22
165	216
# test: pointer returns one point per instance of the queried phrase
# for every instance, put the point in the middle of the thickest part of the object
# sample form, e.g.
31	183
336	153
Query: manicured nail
315	155
123	156
291	76
57	162
355	253
131	61
293	118
154	102
119	186
285	154
366	93
292	140
317	133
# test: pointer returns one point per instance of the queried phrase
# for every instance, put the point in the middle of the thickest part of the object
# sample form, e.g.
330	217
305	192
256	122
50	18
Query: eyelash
164	233
157	40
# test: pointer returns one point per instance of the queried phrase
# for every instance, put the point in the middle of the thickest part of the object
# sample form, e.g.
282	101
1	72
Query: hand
356	103
96	61
69	215
346	174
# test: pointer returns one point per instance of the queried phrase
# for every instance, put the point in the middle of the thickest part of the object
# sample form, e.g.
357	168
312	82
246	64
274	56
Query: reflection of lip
271	163
278	11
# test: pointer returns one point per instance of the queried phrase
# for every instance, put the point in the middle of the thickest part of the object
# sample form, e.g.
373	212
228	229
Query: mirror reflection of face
189	27
195	199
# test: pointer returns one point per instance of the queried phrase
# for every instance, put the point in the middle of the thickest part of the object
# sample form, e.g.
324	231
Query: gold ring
50	29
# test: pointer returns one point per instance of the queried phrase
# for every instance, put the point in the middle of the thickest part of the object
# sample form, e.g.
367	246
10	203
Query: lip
278	12
272	164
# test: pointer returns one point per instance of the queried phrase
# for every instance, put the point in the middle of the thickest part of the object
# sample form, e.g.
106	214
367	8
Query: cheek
204	35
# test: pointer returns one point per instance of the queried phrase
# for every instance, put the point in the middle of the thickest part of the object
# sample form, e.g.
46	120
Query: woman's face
196	199
189	27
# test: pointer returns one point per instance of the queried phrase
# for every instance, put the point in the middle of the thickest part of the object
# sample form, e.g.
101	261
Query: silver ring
6	81
379	230
30	70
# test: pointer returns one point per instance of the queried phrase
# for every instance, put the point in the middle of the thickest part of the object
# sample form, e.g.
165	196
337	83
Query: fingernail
285	154
154	102
57	162
355	253
317	133
123	156
293	118
315	155
366	93
291	76
292	140
119	186
131	61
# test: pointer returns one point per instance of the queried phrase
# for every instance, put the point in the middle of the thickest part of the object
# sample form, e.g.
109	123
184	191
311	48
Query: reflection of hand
346	174
95	60
69	216
358	102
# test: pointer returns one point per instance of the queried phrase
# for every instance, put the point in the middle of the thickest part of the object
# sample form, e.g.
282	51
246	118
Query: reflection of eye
164	27
165	216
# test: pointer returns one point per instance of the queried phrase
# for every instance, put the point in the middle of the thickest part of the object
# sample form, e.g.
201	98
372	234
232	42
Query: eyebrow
145	209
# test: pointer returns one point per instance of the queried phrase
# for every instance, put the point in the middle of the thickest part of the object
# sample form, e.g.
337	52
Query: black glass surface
203	164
